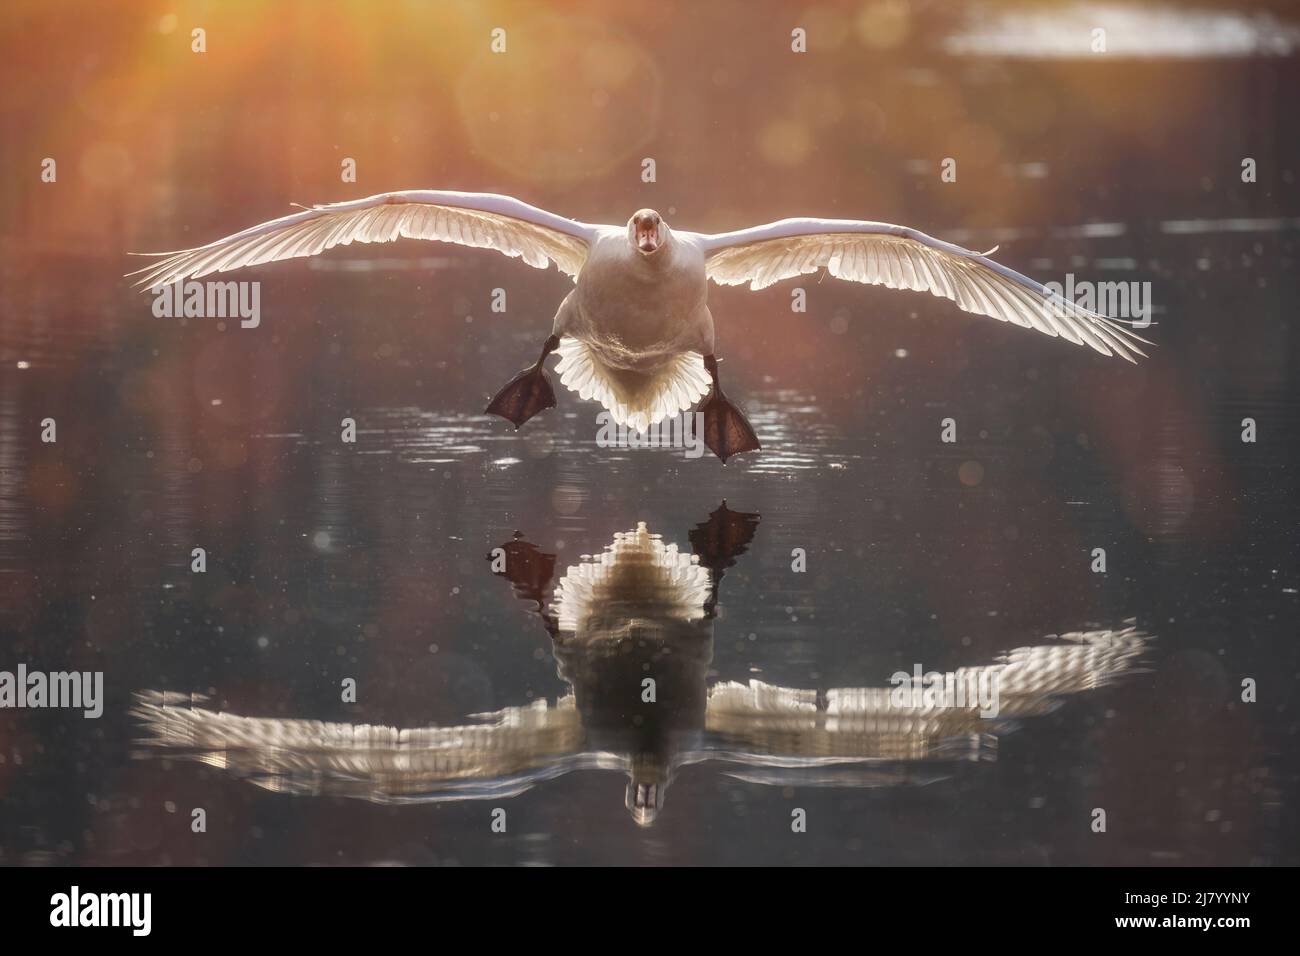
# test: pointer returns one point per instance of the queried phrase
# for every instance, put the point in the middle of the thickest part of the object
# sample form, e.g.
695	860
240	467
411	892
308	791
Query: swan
636	333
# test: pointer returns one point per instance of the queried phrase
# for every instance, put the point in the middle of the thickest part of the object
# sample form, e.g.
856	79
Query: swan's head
646	786
647	232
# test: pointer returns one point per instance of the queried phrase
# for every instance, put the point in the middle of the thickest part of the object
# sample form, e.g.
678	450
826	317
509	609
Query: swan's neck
658	261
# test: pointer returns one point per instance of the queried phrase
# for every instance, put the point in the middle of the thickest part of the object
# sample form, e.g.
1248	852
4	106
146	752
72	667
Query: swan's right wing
897	257
481	220
506	754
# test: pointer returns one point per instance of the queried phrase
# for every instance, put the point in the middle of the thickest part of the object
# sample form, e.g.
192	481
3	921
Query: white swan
636	334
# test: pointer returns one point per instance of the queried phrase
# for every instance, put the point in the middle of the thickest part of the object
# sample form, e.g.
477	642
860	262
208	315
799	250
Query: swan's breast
639	302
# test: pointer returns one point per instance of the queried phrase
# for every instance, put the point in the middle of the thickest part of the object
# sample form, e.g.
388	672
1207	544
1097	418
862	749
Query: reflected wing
878	253
481	220
505	754
764	726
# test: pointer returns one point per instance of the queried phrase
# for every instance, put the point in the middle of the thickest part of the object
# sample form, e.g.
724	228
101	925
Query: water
372	562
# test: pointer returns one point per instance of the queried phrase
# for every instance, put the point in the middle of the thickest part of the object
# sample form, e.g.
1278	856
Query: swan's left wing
878	253
506	754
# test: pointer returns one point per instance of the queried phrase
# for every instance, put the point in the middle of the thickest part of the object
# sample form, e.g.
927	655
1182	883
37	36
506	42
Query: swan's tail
637	399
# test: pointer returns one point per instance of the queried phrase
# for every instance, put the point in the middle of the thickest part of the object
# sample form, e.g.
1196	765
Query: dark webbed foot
719	541
527	393
727	431
723	538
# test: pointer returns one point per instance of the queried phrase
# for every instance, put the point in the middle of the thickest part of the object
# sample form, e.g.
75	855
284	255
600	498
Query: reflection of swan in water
642	612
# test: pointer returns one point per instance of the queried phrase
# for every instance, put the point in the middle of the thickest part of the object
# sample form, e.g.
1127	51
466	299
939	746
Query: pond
445	641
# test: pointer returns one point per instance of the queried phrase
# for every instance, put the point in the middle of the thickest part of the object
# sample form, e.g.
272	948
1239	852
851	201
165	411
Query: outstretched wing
506	754
878	253
482	220
767	727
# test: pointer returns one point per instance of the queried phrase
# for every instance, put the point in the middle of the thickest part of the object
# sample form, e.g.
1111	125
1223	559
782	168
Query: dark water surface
370	561
329	561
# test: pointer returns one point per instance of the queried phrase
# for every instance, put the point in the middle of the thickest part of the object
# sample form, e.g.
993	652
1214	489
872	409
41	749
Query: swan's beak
647	237
644	801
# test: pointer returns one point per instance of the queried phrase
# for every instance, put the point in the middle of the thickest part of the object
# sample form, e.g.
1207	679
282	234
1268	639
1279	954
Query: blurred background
328	561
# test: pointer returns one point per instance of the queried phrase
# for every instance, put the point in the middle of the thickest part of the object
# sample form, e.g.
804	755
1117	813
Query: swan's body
636	333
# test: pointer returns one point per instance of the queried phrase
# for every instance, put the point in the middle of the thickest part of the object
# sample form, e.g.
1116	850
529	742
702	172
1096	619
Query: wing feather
514	747
762	721
480	220
877	253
